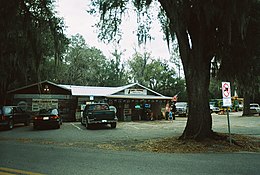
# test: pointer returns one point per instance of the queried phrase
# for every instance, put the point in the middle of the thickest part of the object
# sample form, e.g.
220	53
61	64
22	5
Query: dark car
10	115
98	113
47	118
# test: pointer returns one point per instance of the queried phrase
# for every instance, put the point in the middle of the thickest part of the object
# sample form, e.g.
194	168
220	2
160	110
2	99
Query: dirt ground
239	143
245	137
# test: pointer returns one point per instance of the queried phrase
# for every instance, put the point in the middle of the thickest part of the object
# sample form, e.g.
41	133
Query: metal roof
109	91
90	90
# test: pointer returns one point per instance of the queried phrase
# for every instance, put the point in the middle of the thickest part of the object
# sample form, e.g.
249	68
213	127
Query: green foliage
84	65
157	75
30	33
215	89
116	73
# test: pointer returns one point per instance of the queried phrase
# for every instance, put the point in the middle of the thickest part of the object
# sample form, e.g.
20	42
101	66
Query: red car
47	118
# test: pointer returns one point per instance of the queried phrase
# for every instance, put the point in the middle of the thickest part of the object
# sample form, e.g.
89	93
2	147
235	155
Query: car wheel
113	125
11	124
82	122
88	125
58	126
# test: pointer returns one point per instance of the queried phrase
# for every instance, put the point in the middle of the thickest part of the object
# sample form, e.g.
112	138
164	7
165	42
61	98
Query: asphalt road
75	150
68	160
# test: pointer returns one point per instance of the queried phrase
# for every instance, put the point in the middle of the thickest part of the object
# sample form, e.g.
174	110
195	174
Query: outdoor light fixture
46	89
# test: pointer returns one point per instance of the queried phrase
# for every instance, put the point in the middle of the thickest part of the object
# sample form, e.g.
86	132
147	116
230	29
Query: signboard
226	94
227	102
38	104
226	90
135	92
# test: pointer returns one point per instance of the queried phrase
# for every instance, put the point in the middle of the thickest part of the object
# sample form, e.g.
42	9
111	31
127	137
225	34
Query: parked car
98	113
255	108
11	115
213	108
47	118
181	109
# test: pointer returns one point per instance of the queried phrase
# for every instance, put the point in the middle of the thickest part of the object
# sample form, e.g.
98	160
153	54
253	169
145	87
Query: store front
133	102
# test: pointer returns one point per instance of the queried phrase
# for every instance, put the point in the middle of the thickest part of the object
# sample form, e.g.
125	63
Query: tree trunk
196	43
199	124
246	105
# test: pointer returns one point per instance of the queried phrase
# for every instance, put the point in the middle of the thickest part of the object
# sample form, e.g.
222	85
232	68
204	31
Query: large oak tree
30	33
200	26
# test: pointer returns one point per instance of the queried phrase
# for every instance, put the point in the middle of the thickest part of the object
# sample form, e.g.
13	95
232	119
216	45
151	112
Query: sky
78	20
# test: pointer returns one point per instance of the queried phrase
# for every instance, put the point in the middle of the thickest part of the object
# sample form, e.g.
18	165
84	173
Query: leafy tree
138	66
116	75
84	65
242	59
200	28
157	75
30	33
215	89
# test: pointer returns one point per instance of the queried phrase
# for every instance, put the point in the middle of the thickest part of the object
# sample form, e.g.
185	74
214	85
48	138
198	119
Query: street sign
226	90
226	94
227	102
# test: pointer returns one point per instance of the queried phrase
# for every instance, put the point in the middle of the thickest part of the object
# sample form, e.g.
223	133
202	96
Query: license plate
104	121
45	118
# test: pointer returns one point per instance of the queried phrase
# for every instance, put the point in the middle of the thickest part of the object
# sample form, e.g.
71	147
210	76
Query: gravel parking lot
131	131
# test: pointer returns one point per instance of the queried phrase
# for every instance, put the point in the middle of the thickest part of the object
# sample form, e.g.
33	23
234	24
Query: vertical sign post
226	94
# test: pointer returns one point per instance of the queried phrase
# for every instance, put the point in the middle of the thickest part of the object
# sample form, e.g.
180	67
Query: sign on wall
135	92
38	104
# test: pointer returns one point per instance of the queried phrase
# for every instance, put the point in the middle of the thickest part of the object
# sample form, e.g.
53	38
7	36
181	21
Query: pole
230	142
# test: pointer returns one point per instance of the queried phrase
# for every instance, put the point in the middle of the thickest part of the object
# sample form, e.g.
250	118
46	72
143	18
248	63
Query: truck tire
82	122
88	126
113	125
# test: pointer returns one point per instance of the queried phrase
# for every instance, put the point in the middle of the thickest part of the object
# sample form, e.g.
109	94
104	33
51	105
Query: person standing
171	116
167	110
173	110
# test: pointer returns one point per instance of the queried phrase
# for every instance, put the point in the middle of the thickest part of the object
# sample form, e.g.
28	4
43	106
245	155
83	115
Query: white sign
227	102
226	94
226	90
135	92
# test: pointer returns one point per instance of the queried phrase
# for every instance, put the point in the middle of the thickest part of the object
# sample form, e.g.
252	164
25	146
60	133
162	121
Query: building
133	101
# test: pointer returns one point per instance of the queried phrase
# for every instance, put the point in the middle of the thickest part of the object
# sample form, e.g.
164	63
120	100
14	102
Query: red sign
226	91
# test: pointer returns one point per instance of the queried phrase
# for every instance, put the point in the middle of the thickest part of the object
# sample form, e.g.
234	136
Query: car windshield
182	105
254	105
7	110
48	112
98	107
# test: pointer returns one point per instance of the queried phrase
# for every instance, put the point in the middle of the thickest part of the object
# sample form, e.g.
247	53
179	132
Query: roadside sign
226	94
226	90
227	102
